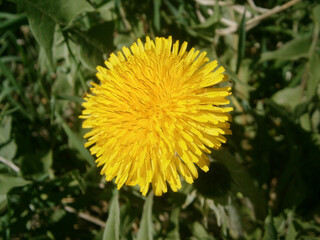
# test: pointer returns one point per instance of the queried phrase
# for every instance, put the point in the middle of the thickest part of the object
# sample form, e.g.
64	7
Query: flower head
155	114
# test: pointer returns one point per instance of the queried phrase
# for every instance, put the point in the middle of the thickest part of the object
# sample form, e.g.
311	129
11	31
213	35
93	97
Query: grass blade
156	14
242	41
146	227
111	230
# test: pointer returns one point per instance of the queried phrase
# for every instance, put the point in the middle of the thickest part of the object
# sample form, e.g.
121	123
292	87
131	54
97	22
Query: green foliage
146	229
270	231
111	230
263	184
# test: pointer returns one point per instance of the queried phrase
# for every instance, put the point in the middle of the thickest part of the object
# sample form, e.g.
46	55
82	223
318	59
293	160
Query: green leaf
8	151
234	220
76	99
216	183
214	18
47	163
234	77
6	183
79	180
173	234
5	129
107	11
270	231
288	97
101	35
314	75
200	232
307	225
122	40
315	120
111	230
245	74
67	11
243	182
146	227
156	14
13	21
59	11
294	49
75	141
61	86
8	147
305	122
90	58
45	14
316	14
41	26
278	110
291	232
219	211
5	71
242	41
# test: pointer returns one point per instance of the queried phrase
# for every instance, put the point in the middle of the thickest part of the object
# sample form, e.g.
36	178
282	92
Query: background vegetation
264	183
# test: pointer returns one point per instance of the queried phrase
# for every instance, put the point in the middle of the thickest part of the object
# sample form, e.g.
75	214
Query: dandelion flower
155	114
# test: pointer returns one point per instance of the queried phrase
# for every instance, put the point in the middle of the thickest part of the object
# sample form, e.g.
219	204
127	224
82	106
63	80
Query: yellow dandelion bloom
156	114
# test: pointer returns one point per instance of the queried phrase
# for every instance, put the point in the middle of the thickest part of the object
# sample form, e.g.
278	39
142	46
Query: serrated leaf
111	230
294	49
146	226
